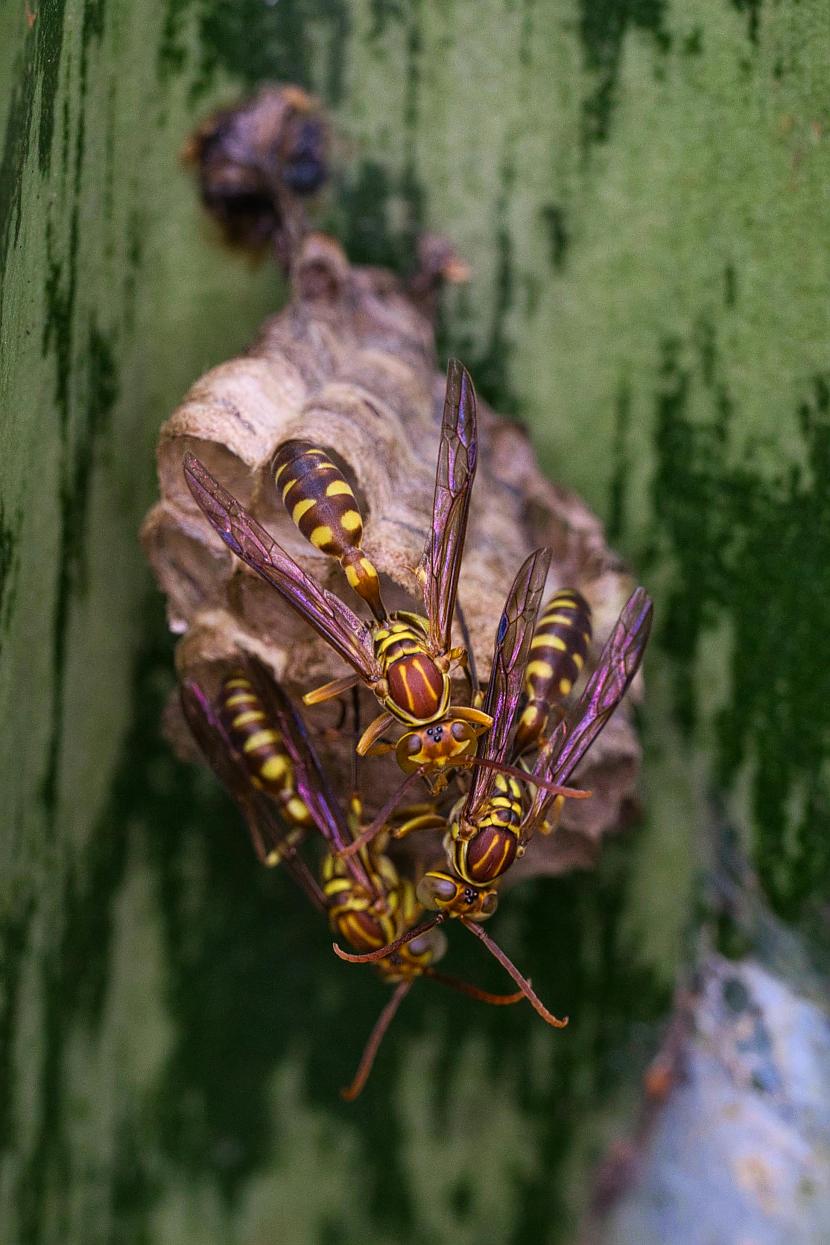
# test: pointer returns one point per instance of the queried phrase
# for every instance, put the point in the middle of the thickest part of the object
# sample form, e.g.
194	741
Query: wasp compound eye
489	903
433	890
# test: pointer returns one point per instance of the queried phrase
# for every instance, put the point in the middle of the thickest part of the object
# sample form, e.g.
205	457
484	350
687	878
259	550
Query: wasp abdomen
557	655
260	745
357	916
485	854
320	501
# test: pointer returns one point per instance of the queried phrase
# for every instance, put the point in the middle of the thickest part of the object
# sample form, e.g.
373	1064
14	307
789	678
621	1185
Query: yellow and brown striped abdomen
481	857
557	655
363	920
260	745
320	501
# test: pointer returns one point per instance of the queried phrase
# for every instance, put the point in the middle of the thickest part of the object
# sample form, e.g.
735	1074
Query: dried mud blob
257	161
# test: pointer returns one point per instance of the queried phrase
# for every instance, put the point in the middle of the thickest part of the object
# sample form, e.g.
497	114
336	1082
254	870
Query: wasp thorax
417	687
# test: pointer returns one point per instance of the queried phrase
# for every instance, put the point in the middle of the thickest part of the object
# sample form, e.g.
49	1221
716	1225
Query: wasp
404	658
275	839
495	821
260	747
368	907
557	654
485	854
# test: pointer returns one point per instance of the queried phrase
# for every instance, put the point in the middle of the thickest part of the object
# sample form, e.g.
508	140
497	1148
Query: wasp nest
350	365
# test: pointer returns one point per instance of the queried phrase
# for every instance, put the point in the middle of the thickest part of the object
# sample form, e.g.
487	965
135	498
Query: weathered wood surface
641	191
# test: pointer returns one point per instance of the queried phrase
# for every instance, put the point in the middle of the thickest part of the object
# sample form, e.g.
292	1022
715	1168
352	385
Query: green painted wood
641	189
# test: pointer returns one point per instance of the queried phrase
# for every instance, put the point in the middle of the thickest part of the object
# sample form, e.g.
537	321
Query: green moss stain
13	944
9	564
618	489
603	28
752	9
35	86
257	42
76	972
752	549
385	13
363	217
78	462
556	225
83	409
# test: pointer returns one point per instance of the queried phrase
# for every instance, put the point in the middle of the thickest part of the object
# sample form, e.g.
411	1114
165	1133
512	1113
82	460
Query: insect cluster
370	588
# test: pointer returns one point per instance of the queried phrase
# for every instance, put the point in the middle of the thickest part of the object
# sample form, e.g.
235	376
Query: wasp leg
382	1023
476	717
420	821
329	690
370	739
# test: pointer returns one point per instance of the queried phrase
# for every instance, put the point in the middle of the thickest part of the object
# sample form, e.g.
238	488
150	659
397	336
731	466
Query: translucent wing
268	832
513	637
457	454
323	611
312	785
619	662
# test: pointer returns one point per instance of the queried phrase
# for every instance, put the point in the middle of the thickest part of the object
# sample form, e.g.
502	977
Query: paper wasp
488	850
497	824
365	908
275	840
403	658
367	900
557	654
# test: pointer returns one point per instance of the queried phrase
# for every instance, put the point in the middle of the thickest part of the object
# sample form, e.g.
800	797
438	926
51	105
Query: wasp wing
457	455
619	662
268	832
312	785
322	610
513	637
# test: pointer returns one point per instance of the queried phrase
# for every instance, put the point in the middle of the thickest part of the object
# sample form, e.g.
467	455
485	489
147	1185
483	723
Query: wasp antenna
379	823
372	1046
368	957
473	992
523	775
522	982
